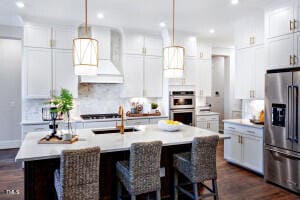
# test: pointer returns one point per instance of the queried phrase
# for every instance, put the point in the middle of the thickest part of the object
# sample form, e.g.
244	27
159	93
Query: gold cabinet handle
294	60
294	24
241	139
291	59
291	25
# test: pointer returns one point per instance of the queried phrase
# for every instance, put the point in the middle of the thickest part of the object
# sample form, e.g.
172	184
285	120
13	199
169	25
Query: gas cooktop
99	116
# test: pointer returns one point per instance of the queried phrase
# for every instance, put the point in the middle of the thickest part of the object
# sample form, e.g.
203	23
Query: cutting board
58	141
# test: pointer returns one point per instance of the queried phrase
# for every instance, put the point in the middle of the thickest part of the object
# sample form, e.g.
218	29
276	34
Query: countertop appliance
100	116
182	107
281	138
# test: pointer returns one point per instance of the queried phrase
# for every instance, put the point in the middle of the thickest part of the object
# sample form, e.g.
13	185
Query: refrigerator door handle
295	113
292	156
290	113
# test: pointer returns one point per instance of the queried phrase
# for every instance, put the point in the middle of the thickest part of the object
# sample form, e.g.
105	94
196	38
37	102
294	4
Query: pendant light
85	52
173	56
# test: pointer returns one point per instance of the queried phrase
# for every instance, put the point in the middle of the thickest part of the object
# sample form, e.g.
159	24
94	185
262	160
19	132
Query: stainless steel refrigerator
281	138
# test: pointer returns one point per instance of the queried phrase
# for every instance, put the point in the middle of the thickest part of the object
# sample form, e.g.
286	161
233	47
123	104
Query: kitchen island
40	160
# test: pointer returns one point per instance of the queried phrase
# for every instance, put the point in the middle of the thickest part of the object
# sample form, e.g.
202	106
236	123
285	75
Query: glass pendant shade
173	61
85	56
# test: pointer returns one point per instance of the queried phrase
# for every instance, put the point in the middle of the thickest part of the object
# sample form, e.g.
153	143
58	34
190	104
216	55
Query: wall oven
182	107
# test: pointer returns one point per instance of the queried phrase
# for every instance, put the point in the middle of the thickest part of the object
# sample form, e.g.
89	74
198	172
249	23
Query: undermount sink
115	130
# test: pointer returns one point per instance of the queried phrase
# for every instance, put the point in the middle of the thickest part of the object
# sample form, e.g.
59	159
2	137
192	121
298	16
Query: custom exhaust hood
109	49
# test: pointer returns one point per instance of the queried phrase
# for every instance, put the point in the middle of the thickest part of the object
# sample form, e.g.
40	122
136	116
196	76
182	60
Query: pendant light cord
86	31
173	14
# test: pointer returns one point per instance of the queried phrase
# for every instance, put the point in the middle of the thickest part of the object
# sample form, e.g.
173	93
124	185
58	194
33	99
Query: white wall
10	99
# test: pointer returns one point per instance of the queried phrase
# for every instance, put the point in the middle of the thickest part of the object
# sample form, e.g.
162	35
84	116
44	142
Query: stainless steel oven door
185	116
178	102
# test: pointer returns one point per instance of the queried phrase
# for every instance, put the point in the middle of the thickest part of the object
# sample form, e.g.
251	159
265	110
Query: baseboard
10	144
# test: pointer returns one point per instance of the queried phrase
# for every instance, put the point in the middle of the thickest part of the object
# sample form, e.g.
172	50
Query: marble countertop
31	150
78	119
244	122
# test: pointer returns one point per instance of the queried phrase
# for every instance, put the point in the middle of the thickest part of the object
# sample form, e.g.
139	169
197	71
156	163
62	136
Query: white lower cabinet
209	122
245	146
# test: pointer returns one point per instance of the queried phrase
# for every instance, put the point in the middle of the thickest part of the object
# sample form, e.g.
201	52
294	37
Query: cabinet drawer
253	131
231	127
207	118
135	122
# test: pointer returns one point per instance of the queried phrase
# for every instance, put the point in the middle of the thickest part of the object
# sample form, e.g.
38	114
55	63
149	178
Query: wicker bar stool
141	174
197	166
78	176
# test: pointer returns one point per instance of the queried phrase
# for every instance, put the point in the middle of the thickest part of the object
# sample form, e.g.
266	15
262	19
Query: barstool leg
175	185
119	190
196	193
158	195
215	189
133	197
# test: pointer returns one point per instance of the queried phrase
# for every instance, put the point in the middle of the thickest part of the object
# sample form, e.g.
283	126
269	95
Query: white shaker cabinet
37	73
208	121
204	83
62	37
280	52
37	36
63	72
250	71
133	43
245	146
204	50
279	20
133	76
153	76
153	46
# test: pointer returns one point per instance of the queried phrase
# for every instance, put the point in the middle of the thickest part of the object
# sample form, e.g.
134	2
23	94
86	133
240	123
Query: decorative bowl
169	125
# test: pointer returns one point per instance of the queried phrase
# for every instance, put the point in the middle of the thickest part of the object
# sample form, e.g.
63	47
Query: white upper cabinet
133	43
37	73
204	82
153	46
249	32
103	35
133	76
204	50
280	52
191	71
37	36
153	76
190	45
62	37
279	20
250	72
63	72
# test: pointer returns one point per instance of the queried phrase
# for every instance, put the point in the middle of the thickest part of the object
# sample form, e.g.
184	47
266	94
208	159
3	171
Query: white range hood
107	71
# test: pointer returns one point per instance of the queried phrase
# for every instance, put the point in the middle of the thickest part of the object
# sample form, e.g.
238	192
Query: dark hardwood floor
234	183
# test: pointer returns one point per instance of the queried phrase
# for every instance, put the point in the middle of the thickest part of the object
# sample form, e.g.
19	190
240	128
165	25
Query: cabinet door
204	51
258	30
190	45
242	33
260	71
202	124
153	46
278	20
133	44
63	37
37	36
63	72
153	76
103	35
233	148
244	68
191	74
133	76
38	72
279	50
205	77
253	153
214	125
296	48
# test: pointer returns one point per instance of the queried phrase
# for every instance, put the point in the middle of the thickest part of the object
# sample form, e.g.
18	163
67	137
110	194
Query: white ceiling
194	16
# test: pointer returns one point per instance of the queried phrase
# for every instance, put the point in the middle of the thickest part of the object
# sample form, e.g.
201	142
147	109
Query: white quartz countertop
31	150
244	122
78	119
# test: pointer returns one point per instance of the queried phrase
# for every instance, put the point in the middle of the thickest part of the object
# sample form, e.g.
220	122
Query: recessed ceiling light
100	15
162	24
234	2
212	31
20	4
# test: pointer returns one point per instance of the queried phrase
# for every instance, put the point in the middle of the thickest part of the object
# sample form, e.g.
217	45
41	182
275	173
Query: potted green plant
64	104
154	106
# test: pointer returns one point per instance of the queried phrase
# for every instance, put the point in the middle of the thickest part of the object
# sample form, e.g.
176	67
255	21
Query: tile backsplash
92	98
252	108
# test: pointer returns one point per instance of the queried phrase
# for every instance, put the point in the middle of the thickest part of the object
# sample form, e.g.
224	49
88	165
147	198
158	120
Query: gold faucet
121	127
